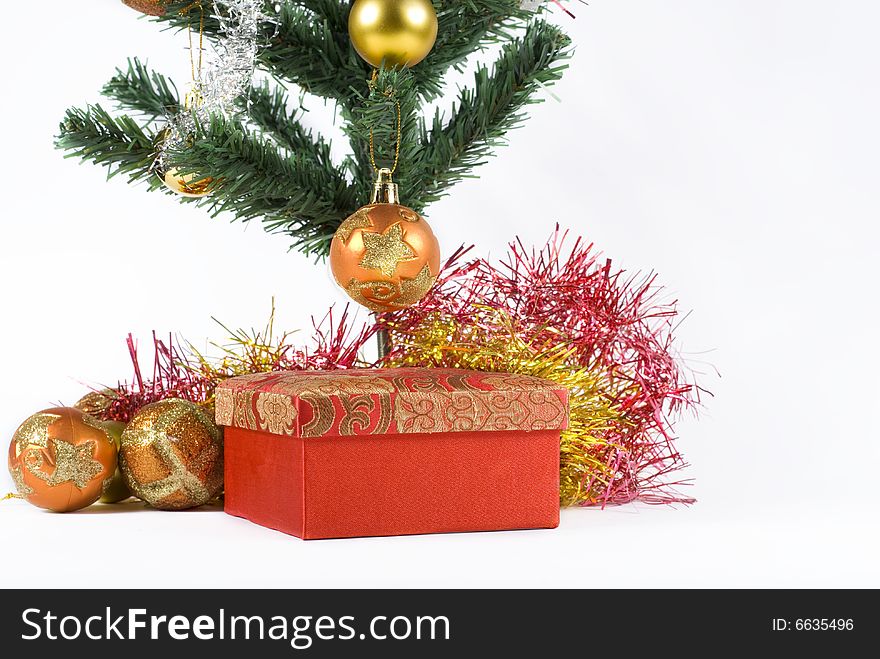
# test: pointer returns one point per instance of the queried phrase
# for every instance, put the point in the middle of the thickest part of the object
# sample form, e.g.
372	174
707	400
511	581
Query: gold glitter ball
149	7
95	403
172	455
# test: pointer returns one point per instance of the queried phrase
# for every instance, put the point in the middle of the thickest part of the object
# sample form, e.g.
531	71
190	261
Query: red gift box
373	452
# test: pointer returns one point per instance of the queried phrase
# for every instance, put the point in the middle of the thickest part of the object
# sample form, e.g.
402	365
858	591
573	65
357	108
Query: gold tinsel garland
492	344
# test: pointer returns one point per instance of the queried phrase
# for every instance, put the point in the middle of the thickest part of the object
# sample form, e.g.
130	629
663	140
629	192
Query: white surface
732	147
645	546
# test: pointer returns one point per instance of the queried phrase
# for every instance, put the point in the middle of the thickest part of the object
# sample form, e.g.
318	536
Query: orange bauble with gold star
60	459
385	255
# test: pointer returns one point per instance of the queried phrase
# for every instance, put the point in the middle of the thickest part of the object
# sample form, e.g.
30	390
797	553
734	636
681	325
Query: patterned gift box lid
390	401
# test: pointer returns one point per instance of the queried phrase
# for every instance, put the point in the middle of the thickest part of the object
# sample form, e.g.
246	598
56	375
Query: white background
731	146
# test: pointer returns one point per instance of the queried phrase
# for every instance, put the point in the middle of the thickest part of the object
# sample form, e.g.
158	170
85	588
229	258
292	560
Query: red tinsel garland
614	325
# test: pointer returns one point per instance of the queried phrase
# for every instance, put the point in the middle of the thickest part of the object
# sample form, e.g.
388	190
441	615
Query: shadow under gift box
377	452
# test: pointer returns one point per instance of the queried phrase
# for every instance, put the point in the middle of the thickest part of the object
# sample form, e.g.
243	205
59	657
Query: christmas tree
270	167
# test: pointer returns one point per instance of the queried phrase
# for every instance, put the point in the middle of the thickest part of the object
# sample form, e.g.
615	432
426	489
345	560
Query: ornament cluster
558	312
170	455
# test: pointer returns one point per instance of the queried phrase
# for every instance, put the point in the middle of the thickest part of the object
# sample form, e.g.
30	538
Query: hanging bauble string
396	32
385	255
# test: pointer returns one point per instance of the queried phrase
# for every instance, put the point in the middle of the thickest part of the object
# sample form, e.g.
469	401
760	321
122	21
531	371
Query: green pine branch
334	12
488	111
267	165
118	143
308	53
465	27
268	109
142	90
290	194
376	111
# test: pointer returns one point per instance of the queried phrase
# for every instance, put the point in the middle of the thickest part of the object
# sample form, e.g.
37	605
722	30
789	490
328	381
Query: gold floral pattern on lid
383	401
276	413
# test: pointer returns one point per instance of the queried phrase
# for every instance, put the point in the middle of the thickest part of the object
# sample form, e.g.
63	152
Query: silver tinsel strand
228	76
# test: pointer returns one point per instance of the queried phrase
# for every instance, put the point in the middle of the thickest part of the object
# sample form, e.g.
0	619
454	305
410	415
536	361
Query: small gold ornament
115	489
398	32
385	255
60	459
96	403
188	185
172	455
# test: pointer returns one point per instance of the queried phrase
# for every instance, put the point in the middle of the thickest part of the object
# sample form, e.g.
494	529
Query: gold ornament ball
172	455
115	490
96	403
385	256
61	459
400	32
187	186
